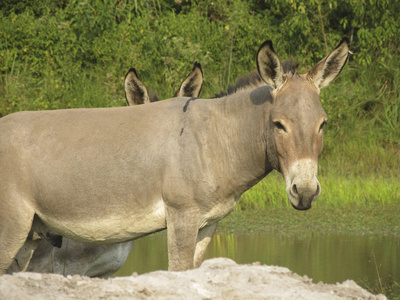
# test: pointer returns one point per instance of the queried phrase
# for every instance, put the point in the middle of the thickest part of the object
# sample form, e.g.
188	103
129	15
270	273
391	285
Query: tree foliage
50	50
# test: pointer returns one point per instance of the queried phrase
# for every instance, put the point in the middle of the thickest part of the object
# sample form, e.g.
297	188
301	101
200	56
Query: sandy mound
218	278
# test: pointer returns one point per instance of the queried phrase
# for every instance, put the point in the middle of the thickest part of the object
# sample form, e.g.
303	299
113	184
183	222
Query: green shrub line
70	54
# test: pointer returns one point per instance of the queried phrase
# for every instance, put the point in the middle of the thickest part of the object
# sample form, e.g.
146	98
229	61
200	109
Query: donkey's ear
135	91
269	66
192	84
325	71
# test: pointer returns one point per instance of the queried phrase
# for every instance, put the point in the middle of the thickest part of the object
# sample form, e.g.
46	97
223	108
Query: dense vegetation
74	53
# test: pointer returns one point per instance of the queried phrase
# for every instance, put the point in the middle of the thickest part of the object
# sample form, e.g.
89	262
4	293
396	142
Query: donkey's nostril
318	190
294	189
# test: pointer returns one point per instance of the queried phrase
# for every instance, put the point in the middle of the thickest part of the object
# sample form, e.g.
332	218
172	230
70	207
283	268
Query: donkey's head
136	92
296	120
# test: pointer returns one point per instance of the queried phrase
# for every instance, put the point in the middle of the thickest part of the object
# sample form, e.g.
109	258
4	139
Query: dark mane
251	79
254	80
153	96
290	66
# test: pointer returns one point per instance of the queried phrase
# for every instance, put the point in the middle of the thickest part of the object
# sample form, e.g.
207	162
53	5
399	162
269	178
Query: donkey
136	92
111	175
103	260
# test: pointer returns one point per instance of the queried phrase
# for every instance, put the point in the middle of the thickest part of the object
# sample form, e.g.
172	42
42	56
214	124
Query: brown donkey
74	258
111	175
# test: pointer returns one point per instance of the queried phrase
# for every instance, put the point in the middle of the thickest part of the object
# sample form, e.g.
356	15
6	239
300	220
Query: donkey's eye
322	125
279	125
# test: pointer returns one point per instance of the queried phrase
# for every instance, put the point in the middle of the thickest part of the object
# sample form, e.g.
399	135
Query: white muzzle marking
302	185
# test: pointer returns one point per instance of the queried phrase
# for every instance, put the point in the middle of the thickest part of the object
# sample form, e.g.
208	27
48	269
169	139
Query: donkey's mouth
300	203
301	208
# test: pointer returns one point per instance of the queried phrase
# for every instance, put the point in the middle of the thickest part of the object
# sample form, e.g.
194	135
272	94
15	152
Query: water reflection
329	258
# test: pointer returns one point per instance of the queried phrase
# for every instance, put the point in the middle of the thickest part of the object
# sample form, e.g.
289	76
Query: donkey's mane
153	96
253	79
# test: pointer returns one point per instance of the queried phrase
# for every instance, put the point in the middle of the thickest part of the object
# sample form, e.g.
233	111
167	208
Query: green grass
338	191
360	191
324	218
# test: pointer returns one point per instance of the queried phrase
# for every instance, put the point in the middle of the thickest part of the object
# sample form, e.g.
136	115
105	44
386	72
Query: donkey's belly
109	228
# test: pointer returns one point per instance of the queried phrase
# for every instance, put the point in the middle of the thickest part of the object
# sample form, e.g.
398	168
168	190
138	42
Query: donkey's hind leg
21	261
16	219
203	239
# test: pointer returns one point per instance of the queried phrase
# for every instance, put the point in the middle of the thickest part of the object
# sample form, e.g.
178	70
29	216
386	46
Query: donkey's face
296	119
295	130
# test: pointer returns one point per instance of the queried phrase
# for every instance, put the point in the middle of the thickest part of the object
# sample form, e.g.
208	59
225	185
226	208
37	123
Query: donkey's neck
240	148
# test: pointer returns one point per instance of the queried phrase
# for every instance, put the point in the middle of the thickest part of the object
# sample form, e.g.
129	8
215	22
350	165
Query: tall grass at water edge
336	191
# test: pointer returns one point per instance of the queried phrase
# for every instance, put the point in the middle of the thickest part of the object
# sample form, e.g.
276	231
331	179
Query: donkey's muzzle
304	195
303	187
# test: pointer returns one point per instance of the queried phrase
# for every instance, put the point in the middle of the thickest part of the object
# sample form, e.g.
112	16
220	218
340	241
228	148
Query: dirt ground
218	278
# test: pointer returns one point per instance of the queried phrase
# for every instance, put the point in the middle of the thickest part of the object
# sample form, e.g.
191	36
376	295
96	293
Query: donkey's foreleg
182	229
203	240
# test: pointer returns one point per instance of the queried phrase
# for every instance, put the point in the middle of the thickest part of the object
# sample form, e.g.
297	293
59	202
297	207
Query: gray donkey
102	260
111	175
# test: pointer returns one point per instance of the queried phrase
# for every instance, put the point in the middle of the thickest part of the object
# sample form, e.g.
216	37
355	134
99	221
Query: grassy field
323	218
337	191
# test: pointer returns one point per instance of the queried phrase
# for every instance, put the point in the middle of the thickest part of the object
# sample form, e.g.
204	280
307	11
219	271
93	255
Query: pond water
329	258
